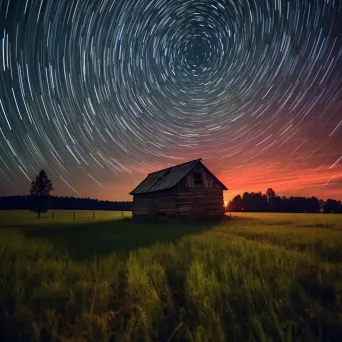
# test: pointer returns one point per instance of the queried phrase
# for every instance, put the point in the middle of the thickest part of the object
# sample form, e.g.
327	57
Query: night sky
101	92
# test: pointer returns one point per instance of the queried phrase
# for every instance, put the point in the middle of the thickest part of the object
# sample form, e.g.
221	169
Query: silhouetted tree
40	193
332	206
314	205
270	194
235	204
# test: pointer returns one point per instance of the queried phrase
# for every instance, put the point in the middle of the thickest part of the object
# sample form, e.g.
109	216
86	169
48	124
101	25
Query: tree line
63	203
271	202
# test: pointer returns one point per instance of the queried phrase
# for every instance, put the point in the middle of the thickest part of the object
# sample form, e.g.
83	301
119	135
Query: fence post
73	215
93	214
122	214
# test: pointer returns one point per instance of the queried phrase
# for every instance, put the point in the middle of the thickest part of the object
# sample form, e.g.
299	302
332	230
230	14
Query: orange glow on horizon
307	182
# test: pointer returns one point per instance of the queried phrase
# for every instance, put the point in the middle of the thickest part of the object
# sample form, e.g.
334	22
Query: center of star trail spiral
101	92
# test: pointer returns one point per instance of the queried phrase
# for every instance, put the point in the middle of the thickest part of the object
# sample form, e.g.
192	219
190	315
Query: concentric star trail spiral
99	93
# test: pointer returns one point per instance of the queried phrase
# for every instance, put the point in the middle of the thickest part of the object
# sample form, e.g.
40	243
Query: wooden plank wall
200	203
195	203
153	204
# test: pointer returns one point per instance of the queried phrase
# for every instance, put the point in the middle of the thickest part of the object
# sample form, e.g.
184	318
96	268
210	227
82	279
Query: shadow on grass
89	240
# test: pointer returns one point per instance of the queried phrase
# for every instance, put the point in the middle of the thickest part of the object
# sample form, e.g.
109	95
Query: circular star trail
99	93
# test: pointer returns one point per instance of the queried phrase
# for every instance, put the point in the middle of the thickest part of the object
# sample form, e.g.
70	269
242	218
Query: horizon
325	189
228	194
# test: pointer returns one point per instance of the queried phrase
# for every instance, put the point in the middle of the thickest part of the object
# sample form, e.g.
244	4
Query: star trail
100	93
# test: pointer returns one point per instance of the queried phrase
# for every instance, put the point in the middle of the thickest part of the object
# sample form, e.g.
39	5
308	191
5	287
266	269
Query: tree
270	193
331	206
236	204
40	193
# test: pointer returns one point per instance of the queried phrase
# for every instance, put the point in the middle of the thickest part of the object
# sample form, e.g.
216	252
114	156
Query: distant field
254	277
28	218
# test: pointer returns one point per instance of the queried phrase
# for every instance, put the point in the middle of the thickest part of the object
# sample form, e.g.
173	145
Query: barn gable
168	178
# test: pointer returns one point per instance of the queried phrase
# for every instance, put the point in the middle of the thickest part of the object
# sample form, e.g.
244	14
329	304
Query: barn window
198	179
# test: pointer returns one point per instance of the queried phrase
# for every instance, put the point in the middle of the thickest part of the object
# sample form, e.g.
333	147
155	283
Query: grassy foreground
261	277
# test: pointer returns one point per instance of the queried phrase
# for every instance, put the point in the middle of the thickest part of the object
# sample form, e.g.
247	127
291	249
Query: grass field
254	277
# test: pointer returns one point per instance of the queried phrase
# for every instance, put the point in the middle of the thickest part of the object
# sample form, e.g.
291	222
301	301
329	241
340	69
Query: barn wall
195	203
200	203
155	204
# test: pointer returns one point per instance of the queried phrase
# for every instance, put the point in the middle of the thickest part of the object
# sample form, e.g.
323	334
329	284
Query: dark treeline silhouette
63	203
270	202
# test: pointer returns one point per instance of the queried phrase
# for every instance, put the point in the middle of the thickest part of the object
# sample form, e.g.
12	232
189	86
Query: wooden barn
188	191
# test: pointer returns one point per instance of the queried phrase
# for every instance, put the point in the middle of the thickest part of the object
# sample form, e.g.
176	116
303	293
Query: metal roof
166	178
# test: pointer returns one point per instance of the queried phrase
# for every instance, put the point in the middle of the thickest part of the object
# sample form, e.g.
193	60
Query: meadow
252	277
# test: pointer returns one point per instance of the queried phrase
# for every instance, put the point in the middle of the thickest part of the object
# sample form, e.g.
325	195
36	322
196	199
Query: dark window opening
198	179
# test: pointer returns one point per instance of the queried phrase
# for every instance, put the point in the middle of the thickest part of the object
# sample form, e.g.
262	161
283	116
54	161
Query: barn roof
167	178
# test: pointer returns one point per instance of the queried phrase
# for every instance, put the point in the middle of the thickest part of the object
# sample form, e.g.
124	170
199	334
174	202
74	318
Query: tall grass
322	240
220	285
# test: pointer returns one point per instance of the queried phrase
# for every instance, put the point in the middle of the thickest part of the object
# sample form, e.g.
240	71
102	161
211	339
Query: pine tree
40	193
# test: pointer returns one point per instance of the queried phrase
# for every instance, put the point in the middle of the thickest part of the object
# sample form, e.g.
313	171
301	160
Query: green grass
259	277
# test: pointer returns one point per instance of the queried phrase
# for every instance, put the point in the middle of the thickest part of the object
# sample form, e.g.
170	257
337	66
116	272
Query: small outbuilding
187	190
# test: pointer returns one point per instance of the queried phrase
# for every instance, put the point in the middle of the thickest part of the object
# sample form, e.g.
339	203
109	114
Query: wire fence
87	214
